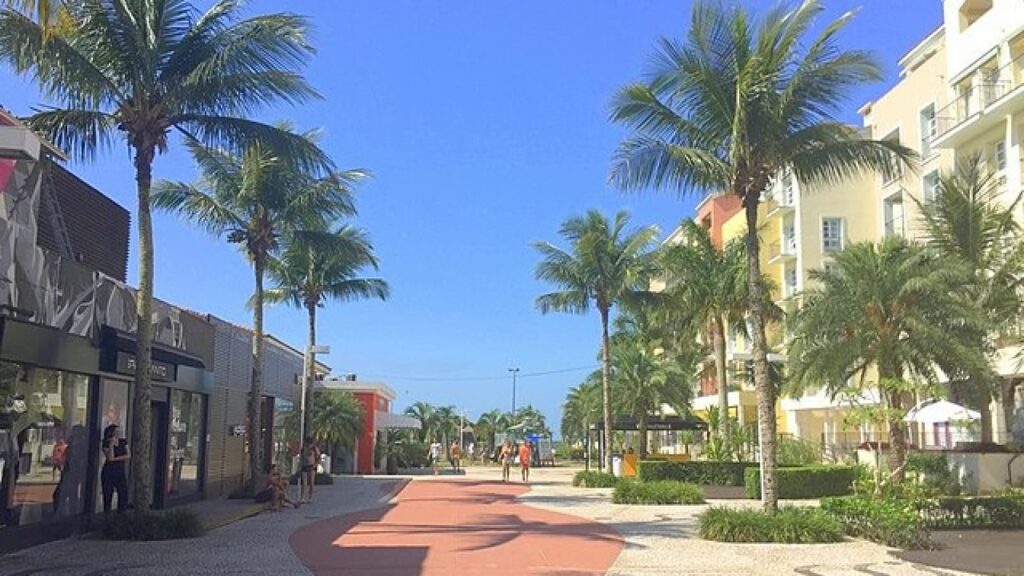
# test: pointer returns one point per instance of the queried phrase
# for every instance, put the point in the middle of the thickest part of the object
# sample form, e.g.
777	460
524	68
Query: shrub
169	525
570	453
790	525
960	512
803	482
594	479
933	475
795	451
319	480
656	492
706	473
890	521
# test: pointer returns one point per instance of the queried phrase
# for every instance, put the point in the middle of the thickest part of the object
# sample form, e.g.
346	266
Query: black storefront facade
67	323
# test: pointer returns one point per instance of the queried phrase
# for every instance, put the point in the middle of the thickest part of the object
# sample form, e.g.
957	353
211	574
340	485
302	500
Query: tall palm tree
730	108
603	266
968	221
139	70
644	379
894	307
709	282
44	12
582	408
337	420
253	199
320	265
486	426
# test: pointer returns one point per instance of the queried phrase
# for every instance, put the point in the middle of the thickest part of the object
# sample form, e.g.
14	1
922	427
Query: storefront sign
160	371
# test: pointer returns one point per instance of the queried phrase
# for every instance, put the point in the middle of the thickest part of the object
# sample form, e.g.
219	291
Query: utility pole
514	371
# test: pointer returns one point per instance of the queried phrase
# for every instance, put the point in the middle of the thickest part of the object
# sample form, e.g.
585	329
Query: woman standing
506	460
113	475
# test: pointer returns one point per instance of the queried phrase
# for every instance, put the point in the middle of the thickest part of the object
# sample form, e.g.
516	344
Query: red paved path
460	527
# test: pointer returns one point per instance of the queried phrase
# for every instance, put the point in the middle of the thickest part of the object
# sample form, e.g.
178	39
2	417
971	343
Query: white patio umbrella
934	411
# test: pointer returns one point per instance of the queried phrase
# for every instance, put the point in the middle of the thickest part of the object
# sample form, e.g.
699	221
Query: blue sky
485	125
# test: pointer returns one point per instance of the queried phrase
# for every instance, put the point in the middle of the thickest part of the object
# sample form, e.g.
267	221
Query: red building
376	399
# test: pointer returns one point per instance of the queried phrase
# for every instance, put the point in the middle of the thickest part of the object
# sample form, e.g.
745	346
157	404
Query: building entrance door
158	459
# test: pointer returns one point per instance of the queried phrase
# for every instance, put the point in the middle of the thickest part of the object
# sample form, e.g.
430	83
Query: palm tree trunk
642	429
310	359
253	430
718	342
765	390
888	373
606	387
141	407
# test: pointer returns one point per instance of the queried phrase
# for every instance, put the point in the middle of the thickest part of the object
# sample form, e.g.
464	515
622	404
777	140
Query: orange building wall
365	445
713	214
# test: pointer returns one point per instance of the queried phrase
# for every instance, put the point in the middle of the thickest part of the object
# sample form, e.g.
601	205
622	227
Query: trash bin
617	466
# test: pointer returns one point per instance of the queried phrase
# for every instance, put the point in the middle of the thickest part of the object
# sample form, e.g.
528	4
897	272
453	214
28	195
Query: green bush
804	482
656	492
594	479
932	474
169	525
961	512
705	473
790	525
319	480
795	451
890	521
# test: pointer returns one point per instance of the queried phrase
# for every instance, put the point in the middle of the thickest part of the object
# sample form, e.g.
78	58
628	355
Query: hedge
594	479
790	525
705	473
890	521
805	482
657	492
169	525
962	512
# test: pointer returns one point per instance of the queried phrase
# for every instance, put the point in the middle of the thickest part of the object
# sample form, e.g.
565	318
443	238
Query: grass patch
594	479
890	521
657	492
790	525
170	525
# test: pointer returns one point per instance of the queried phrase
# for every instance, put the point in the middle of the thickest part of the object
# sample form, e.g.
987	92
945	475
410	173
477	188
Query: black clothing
113	477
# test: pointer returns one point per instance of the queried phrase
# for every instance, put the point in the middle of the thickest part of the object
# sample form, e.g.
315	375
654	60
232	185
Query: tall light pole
514	371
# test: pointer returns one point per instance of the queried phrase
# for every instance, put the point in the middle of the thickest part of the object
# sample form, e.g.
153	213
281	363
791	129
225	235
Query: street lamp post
514	371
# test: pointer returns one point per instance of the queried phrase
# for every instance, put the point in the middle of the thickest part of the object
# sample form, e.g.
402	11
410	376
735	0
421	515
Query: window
788	239
929	128
184	447
787	189
790	282
893	215
895	172
930	187
971	10
114	405
999	155
44	444
831	234
285	434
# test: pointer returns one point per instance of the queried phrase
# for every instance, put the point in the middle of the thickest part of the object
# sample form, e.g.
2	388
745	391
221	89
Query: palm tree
603	267
726	111
894	307
968	222
141	70
337	420
710	284
644	379
423	412
486	426
320	265
253	199
530	420
43	11
582	408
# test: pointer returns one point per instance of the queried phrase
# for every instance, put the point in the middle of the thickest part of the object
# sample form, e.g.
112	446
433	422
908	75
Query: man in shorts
435	455
524	460
309	457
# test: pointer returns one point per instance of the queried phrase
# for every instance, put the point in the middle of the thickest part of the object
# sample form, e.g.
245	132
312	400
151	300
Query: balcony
782	250
982	107
780	206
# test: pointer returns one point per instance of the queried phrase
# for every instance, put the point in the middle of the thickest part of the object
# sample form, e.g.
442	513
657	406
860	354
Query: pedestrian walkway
464	527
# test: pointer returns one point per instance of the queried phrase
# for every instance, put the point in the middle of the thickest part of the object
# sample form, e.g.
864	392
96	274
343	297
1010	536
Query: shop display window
185	443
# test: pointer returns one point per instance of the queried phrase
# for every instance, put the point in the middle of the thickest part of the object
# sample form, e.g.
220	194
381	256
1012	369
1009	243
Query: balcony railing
779	248
997	84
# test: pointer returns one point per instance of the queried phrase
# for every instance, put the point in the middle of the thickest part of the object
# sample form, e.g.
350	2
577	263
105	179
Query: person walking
310	457
434	453
456	454
506	461
524	460
113	475
471	449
